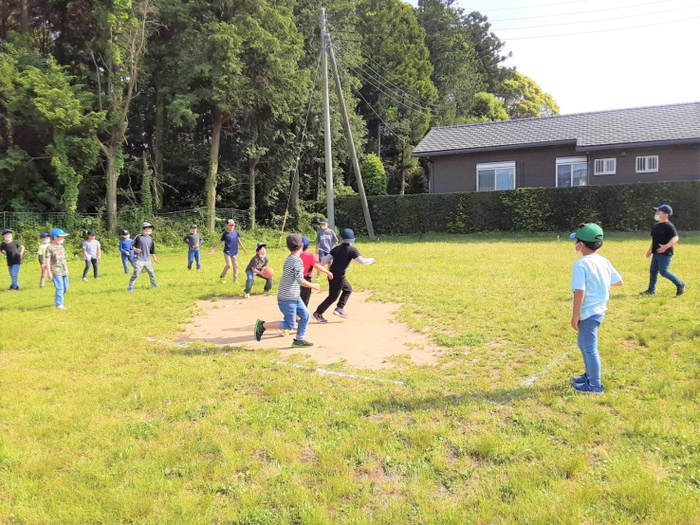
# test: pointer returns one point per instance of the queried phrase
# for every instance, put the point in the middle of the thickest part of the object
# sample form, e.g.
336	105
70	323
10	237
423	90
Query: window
648	164
605	167
572	171
495	176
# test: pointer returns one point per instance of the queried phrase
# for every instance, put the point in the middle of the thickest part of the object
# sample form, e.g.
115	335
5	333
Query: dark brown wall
536	167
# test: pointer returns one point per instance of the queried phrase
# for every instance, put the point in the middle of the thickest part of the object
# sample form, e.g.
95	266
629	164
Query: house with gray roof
650	144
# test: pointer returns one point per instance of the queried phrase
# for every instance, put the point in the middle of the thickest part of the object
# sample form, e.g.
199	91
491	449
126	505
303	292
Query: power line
605	30
600	19
580	12
387	126
533	6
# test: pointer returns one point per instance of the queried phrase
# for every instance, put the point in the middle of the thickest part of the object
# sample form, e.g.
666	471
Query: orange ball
267	272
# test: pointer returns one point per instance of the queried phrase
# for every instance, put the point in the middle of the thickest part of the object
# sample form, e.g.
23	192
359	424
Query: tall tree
523	97
489	51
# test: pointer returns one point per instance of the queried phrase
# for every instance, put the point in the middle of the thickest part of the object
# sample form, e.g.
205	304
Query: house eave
463	151
649	144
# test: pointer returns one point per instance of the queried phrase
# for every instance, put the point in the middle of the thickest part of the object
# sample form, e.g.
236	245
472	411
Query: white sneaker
85	279
60	307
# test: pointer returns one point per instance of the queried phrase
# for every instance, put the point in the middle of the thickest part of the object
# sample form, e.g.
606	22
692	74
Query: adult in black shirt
664	237
341	257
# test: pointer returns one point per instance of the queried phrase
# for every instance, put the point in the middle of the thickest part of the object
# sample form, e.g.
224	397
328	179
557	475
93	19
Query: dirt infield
370	338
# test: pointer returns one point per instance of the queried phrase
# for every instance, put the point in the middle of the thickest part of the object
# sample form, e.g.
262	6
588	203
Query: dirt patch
370	338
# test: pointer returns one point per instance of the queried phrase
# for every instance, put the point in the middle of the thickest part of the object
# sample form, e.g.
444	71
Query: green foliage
523	98
622	208
487	108
373	175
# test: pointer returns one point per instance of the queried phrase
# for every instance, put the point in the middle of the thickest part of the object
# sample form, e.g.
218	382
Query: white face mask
60	241
7	238
147	232
657	217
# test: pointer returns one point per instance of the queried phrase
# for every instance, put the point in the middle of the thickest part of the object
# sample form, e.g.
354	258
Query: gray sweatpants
143	265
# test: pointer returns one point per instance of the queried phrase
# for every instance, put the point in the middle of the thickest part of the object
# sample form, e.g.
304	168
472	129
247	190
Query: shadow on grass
495	397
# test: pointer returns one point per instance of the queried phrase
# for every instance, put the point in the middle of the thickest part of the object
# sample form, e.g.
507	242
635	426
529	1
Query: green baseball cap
588	233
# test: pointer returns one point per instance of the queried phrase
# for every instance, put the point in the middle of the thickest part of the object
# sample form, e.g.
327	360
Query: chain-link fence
130	219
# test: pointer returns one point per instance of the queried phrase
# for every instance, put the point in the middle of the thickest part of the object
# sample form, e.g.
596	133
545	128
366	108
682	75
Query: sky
593	55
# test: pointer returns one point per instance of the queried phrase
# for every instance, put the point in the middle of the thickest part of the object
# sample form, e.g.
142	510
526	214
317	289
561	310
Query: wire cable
630	6
533	6
605	30
599	20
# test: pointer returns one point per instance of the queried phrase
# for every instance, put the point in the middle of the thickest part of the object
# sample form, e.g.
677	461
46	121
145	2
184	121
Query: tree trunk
379	139
158	175
402	169
146	195
294	199
214	168
112	176
252	165
24	16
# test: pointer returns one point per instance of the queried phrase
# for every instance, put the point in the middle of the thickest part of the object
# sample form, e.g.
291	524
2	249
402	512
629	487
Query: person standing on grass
326	239
232	240
591	278
255	266
125	248
45	239
144	248
340	258
13	251
194	242
288	297
664	237
310	262
92	252
57	266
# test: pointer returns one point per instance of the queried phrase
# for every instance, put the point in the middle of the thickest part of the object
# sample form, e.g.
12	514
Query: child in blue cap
664	237
591	278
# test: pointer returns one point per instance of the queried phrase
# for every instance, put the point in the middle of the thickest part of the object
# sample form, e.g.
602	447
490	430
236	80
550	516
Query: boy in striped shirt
289	297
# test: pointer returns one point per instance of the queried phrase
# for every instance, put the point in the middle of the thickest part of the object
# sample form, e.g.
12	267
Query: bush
374	175
622	208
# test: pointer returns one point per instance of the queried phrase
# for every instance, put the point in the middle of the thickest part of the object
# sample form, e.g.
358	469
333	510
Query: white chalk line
533	378
322	371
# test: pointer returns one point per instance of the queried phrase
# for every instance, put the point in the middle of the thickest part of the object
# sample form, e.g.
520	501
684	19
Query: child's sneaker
130	289
85	279
588	388
580	379
319	318
680	289
283	333
60	307
301	343
189	269
246	296
647	292
340	313
222	280
259	329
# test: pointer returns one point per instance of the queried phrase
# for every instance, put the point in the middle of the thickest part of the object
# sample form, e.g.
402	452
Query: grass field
100	425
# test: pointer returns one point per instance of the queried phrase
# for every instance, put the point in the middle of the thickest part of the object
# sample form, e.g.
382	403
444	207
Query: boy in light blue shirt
591	278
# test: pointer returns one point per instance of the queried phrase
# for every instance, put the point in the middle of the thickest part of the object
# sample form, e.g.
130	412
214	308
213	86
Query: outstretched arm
361	260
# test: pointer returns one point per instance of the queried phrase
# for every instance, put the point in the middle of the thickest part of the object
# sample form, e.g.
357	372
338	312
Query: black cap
294	242
146	225
126	232
91	232
260	245
193	226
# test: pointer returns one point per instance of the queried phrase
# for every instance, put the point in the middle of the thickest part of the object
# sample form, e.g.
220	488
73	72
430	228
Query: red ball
267	272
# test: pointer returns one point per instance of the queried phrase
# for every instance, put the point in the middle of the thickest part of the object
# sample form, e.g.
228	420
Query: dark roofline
524	145
582	149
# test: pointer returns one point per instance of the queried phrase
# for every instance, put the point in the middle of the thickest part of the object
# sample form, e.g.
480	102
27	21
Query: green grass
100	425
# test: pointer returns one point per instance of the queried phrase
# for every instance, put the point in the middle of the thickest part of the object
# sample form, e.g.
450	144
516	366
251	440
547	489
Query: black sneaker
319	318
647	292
680	289
259	329
340	313
301	343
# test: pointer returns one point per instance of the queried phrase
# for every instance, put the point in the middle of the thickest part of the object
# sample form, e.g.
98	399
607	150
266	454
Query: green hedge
624	207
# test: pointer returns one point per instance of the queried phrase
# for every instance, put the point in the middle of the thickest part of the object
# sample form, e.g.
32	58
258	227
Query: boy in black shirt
341	257
664	237
14	251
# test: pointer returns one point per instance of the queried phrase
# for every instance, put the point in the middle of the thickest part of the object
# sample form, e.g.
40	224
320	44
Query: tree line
157	105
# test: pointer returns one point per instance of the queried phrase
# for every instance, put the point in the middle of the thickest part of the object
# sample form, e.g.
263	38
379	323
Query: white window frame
647	159
570	160
494	166
607	170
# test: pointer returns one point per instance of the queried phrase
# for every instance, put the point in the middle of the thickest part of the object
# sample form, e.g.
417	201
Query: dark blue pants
192	256
659	265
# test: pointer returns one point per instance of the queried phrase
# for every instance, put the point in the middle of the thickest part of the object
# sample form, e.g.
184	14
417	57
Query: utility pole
351	142
325	44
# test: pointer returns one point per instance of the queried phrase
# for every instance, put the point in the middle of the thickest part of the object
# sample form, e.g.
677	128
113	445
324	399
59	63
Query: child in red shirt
310	262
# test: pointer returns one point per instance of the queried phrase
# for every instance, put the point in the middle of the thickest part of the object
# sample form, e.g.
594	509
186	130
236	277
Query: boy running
326	239
591	278
232	240
310	262
664	237
288	299
340	258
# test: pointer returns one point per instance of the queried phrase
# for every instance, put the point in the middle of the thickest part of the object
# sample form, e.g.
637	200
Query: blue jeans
14	275
659	265
61	284
588	344
250	277
126	260
290	310
192	256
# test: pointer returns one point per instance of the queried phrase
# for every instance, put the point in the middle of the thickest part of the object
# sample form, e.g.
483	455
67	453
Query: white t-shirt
593	274
91	248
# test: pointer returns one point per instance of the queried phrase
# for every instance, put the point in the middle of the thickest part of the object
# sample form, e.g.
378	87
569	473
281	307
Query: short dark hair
595	246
